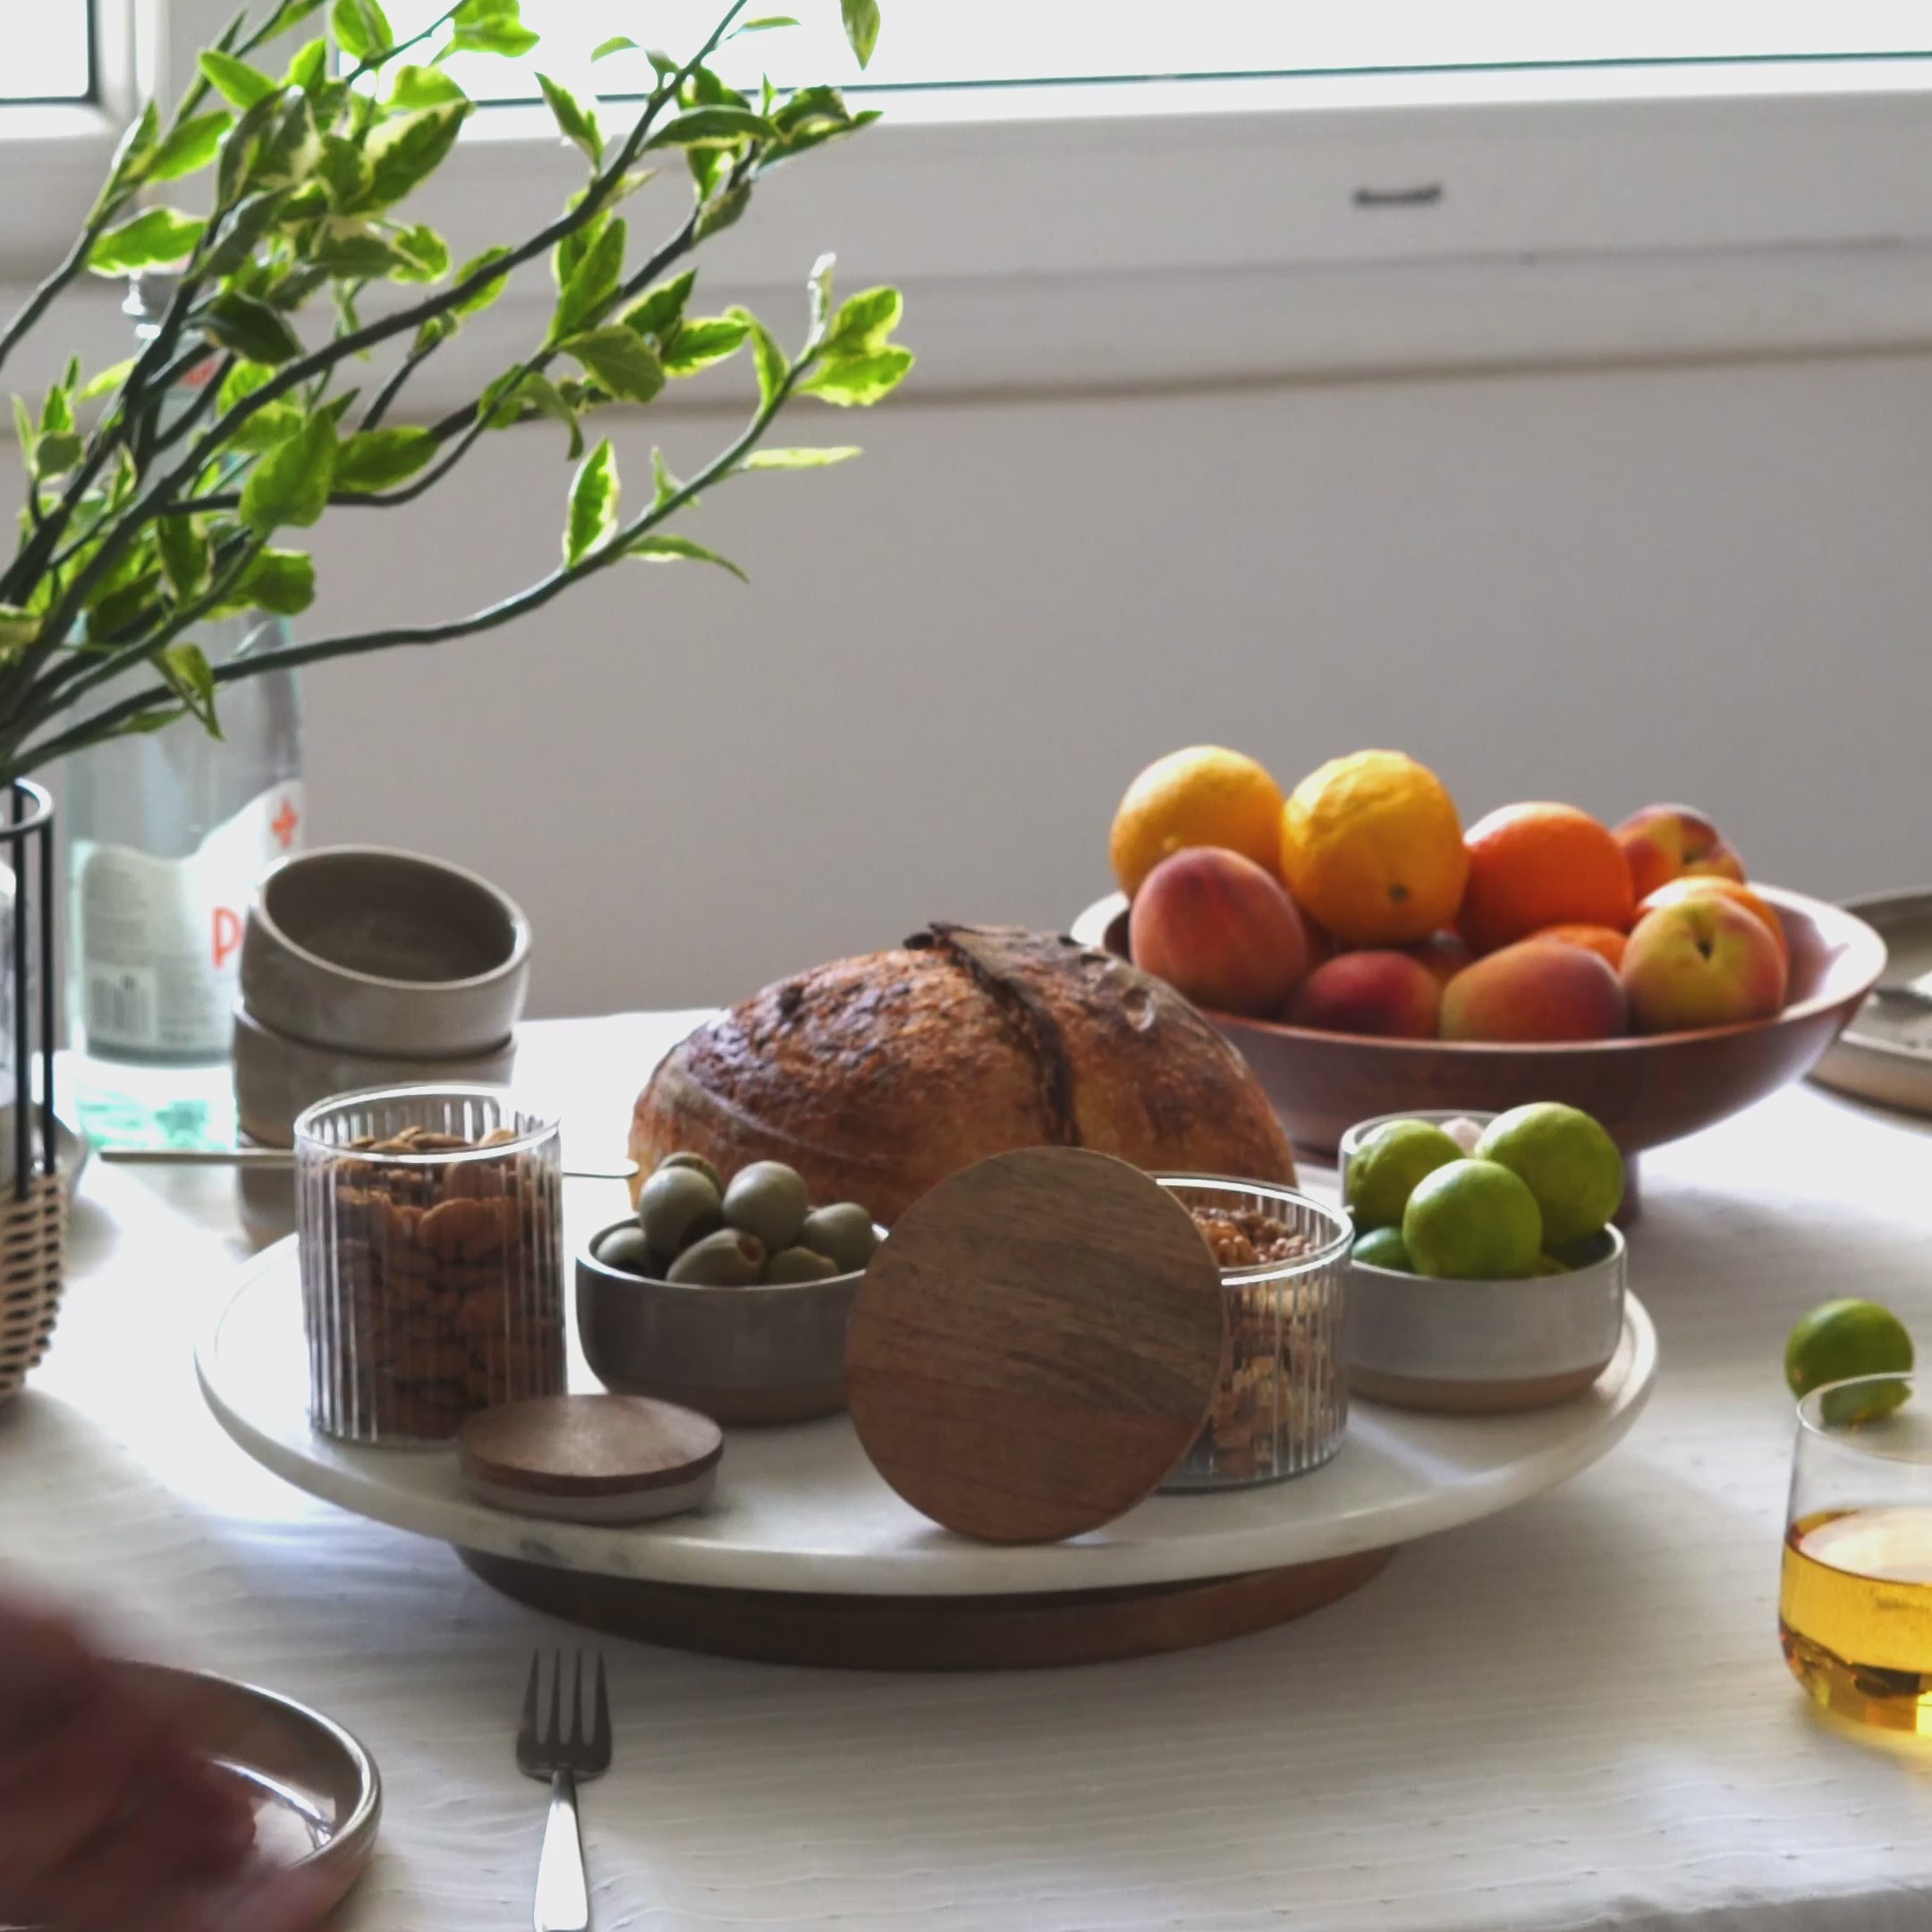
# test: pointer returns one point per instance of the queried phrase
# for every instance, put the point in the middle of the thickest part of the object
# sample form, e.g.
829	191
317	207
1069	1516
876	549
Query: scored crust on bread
879	1076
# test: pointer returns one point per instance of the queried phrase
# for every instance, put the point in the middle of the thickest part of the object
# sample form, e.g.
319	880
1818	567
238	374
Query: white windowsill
1116	235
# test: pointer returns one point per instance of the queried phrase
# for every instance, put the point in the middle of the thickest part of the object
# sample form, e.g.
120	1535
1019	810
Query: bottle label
160	939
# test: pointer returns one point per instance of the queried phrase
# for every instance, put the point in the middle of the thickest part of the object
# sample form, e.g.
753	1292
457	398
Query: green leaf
863	323
185	668
18	629
818	292
425	253
133	155
664	547
235	80
723	212
242	229
56	454
697	345
290	149
348	249
279	581
132	604
291	483
510	398
56	413
592	281
343	171
188	147
249	328
798	459
23	429
157	237
308	69
475	304
663	483
861	26
712	127
361	29
377	459
106	381
239	149
621	360
593	504
577	122
616	44
186	556
273	423
424	86
860	380
489	27
659	311
404	150
773	366
764	25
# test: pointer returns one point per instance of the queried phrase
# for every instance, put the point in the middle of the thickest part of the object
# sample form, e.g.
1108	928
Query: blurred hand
112	1820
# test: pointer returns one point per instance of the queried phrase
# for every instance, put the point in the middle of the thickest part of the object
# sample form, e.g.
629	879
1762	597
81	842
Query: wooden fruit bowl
1646	1090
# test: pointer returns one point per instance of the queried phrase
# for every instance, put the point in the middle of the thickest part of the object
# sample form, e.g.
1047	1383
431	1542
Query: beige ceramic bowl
385	954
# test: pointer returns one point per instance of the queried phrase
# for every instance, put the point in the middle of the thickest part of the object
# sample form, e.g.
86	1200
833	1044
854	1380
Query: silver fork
563	1895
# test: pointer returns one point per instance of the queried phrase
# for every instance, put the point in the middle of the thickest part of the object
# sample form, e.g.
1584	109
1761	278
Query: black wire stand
27	848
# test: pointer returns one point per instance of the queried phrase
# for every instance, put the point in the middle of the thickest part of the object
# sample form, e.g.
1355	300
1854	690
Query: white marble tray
801	1509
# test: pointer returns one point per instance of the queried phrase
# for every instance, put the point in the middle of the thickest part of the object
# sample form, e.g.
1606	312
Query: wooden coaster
602	1459
1035	1347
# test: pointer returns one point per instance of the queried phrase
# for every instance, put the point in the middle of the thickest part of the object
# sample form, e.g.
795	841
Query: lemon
1384	1170
1203	795
1839	1340
1567	1160
1473	1220
1383	1247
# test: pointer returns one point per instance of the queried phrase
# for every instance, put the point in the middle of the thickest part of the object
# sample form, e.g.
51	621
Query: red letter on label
227	935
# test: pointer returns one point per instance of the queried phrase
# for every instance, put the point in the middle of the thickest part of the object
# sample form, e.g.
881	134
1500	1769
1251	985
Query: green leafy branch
152	505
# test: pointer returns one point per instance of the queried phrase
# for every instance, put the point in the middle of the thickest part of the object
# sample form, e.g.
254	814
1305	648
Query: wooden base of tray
932	1633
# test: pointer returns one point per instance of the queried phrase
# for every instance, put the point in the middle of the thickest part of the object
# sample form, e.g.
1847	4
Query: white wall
1711	584
1706	583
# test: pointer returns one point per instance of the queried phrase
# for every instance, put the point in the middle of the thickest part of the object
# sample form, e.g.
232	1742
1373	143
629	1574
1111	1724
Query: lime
1473	1220
1384	1169
1548	1263
1383	1247
1569	1163
1838	1340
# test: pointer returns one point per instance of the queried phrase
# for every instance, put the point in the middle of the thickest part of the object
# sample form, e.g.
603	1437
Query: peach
1537	989
1604	939
1665	841
1705	962
1220	930
1444	954
1693	883
1386	994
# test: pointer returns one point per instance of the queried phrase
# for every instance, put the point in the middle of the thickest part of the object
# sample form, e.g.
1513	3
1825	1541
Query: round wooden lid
587	1445
1035	1347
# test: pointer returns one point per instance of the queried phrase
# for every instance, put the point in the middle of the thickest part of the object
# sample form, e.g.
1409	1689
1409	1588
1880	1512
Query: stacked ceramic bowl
363	967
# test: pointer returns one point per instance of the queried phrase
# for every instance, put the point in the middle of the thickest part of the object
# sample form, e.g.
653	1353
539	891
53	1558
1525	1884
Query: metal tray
1885	1053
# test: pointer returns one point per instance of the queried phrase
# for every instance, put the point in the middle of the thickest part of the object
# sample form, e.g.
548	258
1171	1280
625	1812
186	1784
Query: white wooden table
1572	1716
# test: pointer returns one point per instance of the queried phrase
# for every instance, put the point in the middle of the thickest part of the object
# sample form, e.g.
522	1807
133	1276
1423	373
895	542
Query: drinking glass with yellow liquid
1855	1605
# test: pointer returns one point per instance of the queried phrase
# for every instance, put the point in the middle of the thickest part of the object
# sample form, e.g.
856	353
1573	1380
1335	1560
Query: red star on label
284	823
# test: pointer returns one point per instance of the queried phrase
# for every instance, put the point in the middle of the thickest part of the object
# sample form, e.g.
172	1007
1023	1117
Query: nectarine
1444	954
1665	841
1601	939
1220	930
1689	885
1705	962
1537	989
1386	994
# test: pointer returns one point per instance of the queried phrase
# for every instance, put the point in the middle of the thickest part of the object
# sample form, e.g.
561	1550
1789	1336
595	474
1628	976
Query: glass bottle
168	835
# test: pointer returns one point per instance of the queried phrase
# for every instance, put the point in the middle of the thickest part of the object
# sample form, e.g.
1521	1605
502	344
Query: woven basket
33	1237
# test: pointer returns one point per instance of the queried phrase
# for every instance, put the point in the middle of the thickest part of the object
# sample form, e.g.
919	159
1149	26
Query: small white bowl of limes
1487	1276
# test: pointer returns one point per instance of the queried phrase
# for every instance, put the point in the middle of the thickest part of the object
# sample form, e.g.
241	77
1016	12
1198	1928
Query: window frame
1277	228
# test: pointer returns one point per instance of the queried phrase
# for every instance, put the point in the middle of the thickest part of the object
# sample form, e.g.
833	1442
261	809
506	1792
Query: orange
1697	885
1539	865
1372	846
1605	940
1205	795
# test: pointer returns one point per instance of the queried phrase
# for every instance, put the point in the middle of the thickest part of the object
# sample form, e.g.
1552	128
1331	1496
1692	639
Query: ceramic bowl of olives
726	1295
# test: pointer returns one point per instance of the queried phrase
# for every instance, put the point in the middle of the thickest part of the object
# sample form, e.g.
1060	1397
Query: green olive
800	1265
676	1207
625	1248
767	1199
841	1232
699	1162
729	1259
